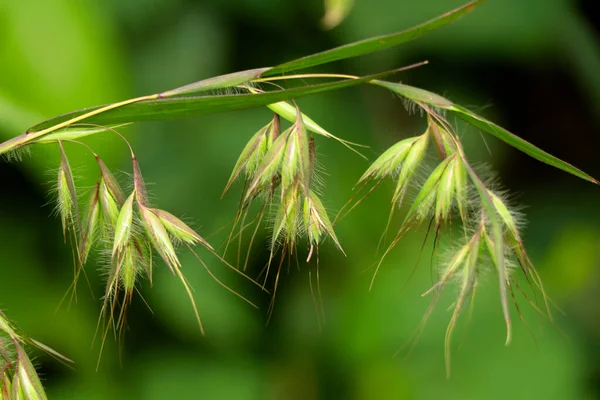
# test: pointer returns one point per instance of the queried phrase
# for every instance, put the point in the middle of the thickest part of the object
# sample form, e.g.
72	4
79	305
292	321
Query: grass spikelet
159	236
179	230
390	161
123	226
91	224
110	207
317	222
67	206
289	112
285	227
426	197
269	167
254	152
111	183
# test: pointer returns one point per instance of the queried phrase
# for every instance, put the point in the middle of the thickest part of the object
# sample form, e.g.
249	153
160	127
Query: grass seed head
123	226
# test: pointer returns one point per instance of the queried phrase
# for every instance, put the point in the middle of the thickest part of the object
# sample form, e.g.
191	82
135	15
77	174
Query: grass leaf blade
374	44
423	96
165	109
518	143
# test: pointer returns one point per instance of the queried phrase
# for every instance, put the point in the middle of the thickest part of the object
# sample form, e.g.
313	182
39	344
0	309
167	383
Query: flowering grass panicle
279	169
493	243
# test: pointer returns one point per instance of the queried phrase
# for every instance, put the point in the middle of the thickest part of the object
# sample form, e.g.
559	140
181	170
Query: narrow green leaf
374	44
519	143
164	109
429	98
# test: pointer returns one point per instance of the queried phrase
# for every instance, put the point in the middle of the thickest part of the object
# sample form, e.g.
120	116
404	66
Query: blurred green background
532	66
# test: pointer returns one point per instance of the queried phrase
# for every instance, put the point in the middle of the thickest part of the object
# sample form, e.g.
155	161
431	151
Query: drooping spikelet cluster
491	231
126	230
279	169
18	377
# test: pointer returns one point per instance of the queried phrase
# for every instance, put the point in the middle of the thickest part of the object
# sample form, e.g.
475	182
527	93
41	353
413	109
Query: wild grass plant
279	168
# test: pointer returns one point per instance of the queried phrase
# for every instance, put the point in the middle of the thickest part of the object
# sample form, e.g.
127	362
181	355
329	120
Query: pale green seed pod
286	219
289	112
445	192
251	156
128	270
290	161
269	167
411	163
390	160
109	205
505	214
123	225
426	197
